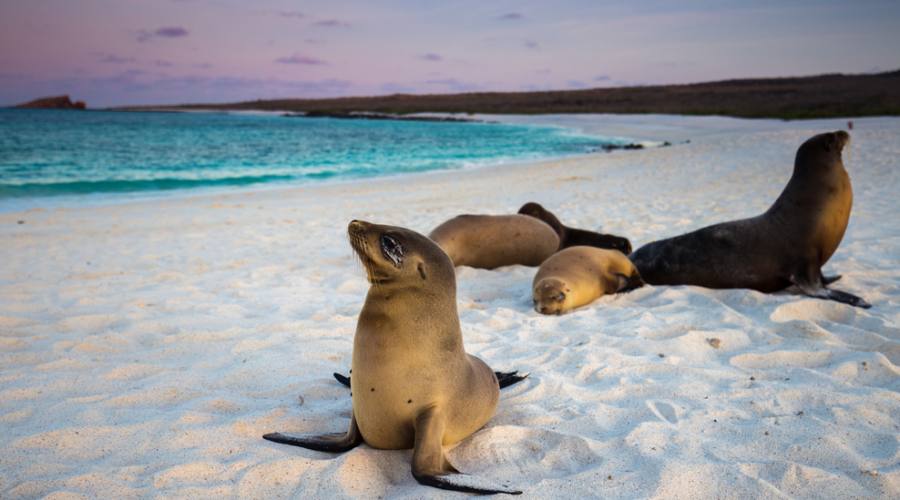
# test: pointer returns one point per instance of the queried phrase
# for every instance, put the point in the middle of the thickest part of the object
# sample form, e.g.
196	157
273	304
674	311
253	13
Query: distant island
821	96
55	102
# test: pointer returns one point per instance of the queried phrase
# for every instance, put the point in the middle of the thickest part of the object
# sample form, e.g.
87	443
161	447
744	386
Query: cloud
453	84
602	78
531	44
576	84
431	56
114	59
159	63
301	59
164	32
511	16
396	88
295	14
331	23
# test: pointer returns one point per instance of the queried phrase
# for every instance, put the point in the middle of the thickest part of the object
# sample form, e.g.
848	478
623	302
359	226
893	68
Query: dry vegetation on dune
822	96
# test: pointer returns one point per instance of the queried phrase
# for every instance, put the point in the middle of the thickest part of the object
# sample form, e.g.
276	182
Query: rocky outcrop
56	102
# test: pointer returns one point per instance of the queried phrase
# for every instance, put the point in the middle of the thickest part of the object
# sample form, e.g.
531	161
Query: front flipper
504	379
342	379
827	280
815	287
332	443
430	466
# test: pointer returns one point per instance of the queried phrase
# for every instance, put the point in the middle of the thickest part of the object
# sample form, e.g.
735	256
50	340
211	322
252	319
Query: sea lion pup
579	275
414	386
570	236
491	241
786	245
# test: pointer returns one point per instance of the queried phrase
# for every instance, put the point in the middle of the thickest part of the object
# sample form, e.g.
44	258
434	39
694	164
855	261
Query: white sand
146	347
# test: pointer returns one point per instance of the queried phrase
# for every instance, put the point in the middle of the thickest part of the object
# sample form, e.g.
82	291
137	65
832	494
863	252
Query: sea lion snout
357	227
842	138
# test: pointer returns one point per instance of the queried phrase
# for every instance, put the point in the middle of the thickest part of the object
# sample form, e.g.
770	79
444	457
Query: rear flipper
503	379
430	466
332	443
816	288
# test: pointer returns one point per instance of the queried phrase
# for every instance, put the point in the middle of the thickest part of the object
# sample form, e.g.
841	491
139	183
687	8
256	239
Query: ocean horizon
49	156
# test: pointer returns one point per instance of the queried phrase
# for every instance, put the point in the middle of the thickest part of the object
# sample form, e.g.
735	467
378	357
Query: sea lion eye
392	250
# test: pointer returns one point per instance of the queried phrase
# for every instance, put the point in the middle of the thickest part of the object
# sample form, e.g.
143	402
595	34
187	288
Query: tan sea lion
579	275
491	241
570	236
787	245
414	386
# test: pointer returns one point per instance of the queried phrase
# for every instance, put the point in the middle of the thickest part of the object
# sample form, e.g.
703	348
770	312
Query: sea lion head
821	153
550	296
537	211
395	257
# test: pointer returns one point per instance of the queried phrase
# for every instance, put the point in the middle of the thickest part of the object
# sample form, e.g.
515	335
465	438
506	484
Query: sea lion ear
421	269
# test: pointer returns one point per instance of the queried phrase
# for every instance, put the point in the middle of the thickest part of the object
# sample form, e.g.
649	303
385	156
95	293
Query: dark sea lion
579	275
787	245
570	236
491	241
414	386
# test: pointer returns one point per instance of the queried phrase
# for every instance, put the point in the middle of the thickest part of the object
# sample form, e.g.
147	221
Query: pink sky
112	52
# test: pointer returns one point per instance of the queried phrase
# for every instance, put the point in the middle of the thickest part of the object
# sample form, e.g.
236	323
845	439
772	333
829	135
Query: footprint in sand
663	411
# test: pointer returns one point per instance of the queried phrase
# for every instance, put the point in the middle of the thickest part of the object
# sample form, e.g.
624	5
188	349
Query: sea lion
414	386
580	275
570	236
491	241
786	245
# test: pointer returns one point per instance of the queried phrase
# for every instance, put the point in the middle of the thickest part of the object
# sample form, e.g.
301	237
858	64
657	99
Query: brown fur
580	275
491	241
787	245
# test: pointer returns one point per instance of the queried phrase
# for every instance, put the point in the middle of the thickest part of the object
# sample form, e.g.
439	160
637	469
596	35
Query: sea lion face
551	297
537	211
820	153
393	255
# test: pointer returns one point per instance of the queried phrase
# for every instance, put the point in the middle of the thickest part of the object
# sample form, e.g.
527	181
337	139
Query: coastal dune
145	347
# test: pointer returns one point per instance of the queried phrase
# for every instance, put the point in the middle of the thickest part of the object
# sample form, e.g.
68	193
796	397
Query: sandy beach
146	347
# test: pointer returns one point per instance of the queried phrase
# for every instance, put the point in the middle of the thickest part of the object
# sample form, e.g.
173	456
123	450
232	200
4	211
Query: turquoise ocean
49	157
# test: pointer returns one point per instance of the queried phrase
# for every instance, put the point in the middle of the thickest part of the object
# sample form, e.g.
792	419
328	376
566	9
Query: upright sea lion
570	236
580	275
414	386
786	245
491	241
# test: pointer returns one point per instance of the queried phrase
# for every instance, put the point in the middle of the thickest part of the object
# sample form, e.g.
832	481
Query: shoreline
91	199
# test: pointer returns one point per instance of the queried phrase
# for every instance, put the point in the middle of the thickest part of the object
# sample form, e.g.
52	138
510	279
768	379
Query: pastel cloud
164	32
331	23
431	56
301	59
114	59
295	14
453	84
511	16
